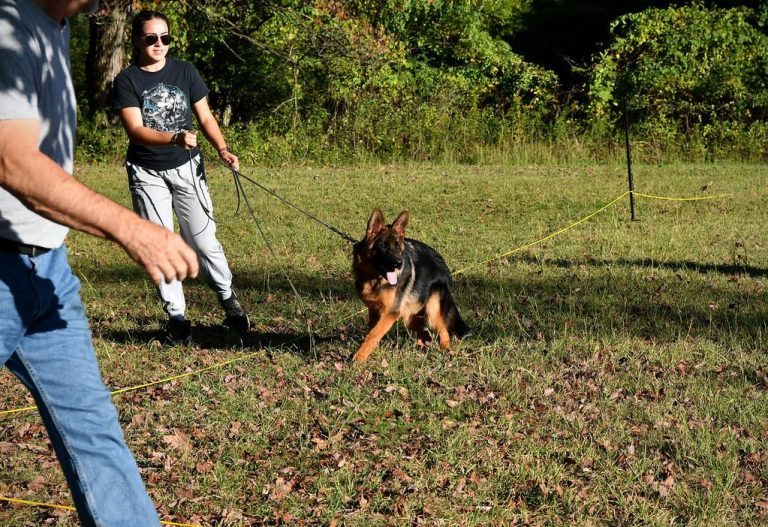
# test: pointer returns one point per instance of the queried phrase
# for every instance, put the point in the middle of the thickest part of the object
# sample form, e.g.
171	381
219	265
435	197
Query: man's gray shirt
35	83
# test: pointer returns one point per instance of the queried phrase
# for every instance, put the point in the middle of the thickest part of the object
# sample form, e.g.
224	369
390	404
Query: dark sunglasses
151	39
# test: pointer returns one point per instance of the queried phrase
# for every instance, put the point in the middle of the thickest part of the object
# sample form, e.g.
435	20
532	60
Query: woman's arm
213	133
143	135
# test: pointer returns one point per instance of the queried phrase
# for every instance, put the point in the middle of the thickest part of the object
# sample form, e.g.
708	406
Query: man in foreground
44	335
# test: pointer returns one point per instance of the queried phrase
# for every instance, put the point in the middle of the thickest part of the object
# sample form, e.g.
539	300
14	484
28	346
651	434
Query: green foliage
79	49
345	80
99	139
396	78
693	72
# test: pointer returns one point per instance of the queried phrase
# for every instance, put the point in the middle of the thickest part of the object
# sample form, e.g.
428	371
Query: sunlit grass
616	374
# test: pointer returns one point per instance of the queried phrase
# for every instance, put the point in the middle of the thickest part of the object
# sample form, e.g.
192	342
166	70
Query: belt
9	246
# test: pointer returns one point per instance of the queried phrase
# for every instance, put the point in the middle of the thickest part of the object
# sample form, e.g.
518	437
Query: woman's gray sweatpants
156	195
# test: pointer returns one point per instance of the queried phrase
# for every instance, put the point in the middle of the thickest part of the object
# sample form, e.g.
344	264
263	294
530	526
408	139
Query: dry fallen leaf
234	429
178	441
281	490
204	467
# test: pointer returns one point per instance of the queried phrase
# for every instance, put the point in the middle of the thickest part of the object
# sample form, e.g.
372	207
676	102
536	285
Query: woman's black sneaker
235	318
178	331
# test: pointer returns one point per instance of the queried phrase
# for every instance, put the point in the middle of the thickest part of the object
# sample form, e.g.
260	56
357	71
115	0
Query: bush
411	80
689	75
99	140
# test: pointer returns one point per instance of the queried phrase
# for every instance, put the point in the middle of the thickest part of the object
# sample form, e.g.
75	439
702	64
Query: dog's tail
456	324
460	328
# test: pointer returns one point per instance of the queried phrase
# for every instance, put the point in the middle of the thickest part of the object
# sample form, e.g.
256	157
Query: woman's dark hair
137	28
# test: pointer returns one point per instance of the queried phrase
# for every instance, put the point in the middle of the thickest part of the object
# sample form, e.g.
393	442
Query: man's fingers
156	275
191	262
181	262
168	272
164	254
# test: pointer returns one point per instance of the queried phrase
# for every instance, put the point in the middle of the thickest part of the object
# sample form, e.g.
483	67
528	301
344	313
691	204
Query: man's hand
163	254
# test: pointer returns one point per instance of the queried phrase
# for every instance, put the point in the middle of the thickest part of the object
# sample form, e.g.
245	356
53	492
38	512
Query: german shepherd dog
397	277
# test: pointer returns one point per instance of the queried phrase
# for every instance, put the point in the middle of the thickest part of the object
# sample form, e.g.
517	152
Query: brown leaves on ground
307	443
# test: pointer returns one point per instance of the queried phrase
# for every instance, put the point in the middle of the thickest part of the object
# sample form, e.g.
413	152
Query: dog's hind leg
456	325
374	336
436	321
373	317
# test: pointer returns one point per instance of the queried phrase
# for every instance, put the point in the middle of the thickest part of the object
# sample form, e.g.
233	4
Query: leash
238	175
241	192
193	173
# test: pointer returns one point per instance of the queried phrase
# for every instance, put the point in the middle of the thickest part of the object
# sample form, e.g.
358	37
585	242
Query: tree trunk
106	52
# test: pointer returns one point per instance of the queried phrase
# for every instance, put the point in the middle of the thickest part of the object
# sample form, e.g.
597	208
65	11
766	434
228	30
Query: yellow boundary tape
68	508
249	355
700	198
545	238
497	257
153	383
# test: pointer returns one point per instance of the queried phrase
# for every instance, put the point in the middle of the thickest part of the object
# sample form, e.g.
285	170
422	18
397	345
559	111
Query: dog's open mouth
393	275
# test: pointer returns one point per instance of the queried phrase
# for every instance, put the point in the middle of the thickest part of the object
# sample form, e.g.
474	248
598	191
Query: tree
684	72
106	52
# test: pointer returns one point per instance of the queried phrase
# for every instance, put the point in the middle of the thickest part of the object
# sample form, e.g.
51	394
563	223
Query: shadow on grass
648	263
556	298
219	337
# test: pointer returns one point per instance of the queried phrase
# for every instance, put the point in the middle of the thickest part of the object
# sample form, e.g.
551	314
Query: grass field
617	374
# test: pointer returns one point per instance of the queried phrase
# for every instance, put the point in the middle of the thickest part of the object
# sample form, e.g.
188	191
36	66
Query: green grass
616	375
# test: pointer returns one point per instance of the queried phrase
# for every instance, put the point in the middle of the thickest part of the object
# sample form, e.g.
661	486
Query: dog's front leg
374	336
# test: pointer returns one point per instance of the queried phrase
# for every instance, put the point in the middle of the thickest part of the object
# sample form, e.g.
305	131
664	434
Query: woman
156	97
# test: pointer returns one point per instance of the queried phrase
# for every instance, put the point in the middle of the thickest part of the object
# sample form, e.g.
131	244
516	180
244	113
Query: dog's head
383	244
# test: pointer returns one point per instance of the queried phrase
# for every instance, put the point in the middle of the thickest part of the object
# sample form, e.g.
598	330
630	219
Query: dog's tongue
392	278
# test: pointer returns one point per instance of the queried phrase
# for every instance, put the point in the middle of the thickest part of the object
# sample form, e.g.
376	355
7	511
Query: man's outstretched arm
45	188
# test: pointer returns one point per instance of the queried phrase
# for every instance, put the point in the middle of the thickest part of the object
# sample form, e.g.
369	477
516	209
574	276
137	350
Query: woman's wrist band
223	149
174	138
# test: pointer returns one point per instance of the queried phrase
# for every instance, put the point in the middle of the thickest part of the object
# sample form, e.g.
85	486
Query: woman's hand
229	158
186	139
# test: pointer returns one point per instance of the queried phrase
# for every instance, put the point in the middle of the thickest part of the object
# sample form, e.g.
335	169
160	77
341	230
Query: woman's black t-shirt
164	100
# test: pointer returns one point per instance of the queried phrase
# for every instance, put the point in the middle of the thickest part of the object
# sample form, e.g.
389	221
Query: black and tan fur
420	294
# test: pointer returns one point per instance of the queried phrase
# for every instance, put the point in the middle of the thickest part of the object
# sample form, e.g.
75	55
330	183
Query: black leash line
241	191
206	209
237	174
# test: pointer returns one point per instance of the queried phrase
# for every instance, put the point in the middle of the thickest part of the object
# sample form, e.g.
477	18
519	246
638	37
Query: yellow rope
153	383
68	508
187	374
503	255
17	410
545	238
700	198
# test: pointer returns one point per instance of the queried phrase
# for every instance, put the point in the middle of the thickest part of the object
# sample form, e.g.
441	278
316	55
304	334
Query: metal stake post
629	164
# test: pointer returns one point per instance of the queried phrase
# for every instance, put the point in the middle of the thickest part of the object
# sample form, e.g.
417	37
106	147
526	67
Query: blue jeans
46	342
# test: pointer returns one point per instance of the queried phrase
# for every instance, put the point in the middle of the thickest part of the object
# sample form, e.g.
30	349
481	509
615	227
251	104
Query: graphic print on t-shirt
164	108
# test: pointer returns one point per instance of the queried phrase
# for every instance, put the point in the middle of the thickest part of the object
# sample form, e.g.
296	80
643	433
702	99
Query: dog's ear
375	224
399	225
